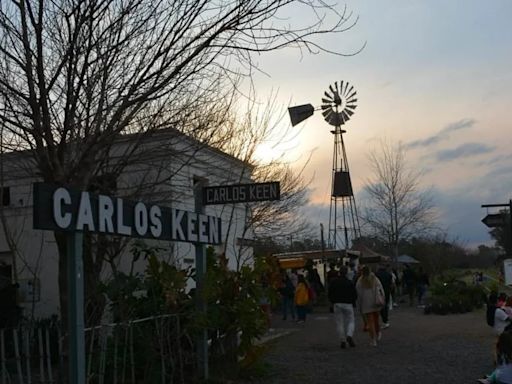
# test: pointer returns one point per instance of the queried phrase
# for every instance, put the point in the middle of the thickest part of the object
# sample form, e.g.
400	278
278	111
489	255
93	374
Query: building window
6	196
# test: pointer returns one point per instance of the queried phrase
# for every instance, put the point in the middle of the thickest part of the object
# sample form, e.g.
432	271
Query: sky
435	76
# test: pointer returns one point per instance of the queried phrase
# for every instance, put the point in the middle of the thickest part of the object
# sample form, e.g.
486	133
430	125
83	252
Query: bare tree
75	75
260	123
396	207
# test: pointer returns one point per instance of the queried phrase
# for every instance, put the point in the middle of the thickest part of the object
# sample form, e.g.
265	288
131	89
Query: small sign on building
241	193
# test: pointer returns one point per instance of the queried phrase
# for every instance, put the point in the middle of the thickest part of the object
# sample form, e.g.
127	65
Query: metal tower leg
343	218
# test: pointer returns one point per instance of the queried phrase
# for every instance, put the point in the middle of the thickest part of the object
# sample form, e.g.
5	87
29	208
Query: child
503	372
502	298
508	306
301	299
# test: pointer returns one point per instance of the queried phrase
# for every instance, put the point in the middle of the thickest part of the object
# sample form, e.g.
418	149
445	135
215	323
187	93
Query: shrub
450	295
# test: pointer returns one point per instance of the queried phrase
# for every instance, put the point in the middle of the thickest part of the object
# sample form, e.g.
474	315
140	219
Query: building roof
406	259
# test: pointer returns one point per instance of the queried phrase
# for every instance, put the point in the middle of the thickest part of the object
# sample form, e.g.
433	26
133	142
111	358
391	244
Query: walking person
287	291
423	283
301	299
386	279
332	274
409	281
343	296
497	317
503	372
370	299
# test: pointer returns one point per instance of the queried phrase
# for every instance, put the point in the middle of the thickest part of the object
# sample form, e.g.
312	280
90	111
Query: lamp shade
300	113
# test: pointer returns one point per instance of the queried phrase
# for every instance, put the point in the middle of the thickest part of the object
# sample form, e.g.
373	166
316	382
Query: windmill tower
338	105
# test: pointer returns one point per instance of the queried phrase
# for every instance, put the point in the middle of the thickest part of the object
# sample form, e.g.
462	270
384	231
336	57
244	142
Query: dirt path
417	348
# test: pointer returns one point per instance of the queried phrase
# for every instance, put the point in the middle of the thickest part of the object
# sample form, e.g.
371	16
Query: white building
164	170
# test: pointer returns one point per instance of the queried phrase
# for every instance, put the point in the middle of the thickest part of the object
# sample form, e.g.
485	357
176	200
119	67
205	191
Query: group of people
298	292
499	316
371	293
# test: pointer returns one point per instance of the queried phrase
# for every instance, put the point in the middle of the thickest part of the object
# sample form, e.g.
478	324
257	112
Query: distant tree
436	253
251	124
488	253
395	208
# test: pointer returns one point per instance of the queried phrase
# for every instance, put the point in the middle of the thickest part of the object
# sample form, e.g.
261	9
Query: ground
416	348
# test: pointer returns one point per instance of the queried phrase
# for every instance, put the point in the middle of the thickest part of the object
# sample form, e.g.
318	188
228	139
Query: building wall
158	175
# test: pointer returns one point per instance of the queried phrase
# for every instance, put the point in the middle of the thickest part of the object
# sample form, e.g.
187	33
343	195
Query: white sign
507	268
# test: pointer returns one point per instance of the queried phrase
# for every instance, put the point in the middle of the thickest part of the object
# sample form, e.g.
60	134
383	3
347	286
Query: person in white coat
370	300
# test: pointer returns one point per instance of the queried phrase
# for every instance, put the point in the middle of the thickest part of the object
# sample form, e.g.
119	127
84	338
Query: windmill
338	105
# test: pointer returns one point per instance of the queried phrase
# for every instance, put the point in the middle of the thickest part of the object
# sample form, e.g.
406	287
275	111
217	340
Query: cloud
443	134
500	171
464	150
499	159
461	215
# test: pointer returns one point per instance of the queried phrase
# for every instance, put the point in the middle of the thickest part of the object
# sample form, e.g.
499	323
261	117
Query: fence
149	350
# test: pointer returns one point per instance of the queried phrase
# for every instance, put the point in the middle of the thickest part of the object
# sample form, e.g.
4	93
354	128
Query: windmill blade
352	95
351	99
327	113
339	102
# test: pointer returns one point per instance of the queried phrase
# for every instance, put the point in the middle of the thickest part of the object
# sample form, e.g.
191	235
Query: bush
450	295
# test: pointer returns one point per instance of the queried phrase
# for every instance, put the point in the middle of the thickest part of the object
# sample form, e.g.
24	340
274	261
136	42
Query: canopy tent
299	259
369	256
406	259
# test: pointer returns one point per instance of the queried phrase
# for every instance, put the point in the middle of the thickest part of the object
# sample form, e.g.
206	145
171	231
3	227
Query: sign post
493	220
202	339
58	208
499	220
76	333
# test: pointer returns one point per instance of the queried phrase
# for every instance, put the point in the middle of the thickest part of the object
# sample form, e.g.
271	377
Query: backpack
491	309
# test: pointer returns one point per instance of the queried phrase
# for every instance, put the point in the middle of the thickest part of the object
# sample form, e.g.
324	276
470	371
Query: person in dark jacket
287	291
343	296
409	282
422	284
386	279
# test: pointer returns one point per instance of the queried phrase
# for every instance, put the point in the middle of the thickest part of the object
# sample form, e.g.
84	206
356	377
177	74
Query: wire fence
148	350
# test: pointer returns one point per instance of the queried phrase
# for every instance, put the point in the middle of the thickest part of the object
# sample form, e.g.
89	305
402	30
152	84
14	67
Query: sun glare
266	153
